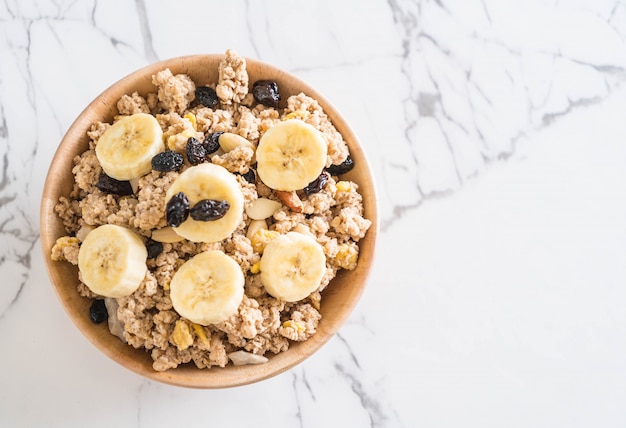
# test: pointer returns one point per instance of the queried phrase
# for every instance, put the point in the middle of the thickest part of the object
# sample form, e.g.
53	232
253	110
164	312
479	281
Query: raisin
196	153
249	176
177	209
154	248
211	142
111	185
266	92
207	96
209	210
317	185
168	160
98	311
341	168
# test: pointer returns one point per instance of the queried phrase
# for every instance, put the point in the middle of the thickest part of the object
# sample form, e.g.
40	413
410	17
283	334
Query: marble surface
497	132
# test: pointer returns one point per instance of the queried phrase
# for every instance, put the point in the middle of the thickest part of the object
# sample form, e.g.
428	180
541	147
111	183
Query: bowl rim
183	376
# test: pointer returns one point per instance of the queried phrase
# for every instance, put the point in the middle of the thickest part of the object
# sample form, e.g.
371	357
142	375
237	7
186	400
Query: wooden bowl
339	298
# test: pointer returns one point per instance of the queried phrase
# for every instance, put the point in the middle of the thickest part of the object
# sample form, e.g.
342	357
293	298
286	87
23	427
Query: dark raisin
249	176
98	311
211	142
196	153
207	96
266	92
317	185
154	248
341	168
209	210
111	185
177	209
168	160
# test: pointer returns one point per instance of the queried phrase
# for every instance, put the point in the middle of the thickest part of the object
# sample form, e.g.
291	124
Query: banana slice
292	266
126	148
207	288
208	181
290	155
112	261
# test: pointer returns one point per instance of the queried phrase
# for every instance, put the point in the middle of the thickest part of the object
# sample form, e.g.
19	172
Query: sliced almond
255	226
242	358
166	234
262	208
229	141
291	200
116	326
84	230
304	229
134	184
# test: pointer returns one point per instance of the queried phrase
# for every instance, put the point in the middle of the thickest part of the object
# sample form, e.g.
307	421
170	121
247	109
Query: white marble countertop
497	132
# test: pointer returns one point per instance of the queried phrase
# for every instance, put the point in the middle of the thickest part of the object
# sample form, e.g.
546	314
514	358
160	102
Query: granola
263	324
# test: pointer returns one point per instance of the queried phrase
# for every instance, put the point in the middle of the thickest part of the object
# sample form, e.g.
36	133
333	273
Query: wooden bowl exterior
339	298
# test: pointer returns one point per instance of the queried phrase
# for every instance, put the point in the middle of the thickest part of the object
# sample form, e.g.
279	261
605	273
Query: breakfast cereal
332	215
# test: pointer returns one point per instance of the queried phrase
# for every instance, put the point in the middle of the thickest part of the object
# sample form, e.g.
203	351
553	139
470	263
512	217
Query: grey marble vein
452	82
548	118
4	130
4	178
303	393
294	385
23	259
18	228
377	415
380	413
146	32
306	383
250	30
349	349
